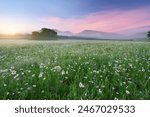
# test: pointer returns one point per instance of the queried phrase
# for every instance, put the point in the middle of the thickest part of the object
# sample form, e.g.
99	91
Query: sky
25	16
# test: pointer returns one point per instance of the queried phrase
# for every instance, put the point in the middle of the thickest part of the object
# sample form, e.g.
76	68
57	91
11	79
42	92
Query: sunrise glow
25	16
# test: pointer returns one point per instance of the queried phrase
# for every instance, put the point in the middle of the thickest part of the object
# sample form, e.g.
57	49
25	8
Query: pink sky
109	21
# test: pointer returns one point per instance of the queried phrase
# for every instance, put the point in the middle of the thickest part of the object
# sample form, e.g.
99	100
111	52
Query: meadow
62	70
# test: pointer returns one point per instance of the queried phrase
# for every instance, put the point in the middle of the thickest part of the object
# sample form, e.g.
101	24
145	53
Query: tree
44	33
148	35
35	34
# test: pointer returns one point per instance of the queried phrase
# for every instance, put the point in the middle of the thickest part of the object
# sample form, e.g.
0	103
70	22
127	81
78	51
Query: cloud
109	21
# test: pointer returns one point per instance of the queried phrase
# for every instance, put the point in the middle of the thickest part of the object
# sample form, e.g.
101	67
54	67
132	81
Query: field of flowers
75	70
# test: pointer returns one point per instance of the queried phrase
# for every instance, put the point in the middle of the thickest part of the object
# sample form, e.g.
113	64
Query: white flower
5	70
42	91
63	72
16	76
91	82
85	77
33	75
13	72
22	73
42	65
26	83
81	85
100	91
7	93
5	85
34	86
66	72
29	88
41	74
12	67
44	78
57	68
127	92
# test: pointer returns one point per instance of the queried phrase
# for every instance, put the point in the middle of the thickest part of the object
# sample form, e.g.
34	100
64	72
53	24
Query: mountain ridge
101	34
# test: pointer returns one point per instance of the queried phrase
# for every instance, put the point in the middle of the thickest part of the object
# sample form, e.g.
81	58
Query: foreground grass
79	70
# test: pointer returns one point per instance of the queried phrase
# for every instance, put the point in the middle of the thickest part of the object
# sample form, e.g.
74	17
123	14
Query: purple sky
18	16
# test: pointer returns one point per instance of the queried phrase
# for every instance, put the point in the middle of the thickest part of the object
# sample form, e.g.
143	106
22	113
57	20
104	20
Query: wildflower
2	71
97	86
130	65
91	82
81	85
95	71
63	72
143	70
116	98
34	86
29	88
16	76
5	85
127	92
66	72
100	91
57	68
103	86
85	77
41	74
26	83
7	93
22	73
42	65
13	72
44	78
12	67
33	75
113	88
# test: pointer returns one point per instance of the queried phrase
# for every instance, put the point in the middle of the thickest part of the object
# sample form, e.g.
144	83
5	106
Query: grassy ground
75	70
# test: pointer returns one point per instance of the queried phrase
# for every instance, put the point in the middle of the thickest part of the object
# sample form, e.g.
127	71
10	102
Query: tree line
49	34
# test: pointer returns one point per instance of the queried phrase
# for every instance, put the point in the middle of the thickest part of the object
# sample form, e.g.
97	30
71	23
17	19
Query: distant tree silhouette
44	33
148	35
35	34
47	32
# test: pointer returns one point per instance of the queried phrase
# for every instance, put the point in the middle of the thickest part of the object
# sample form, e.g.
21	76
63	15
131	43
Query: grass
75	70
